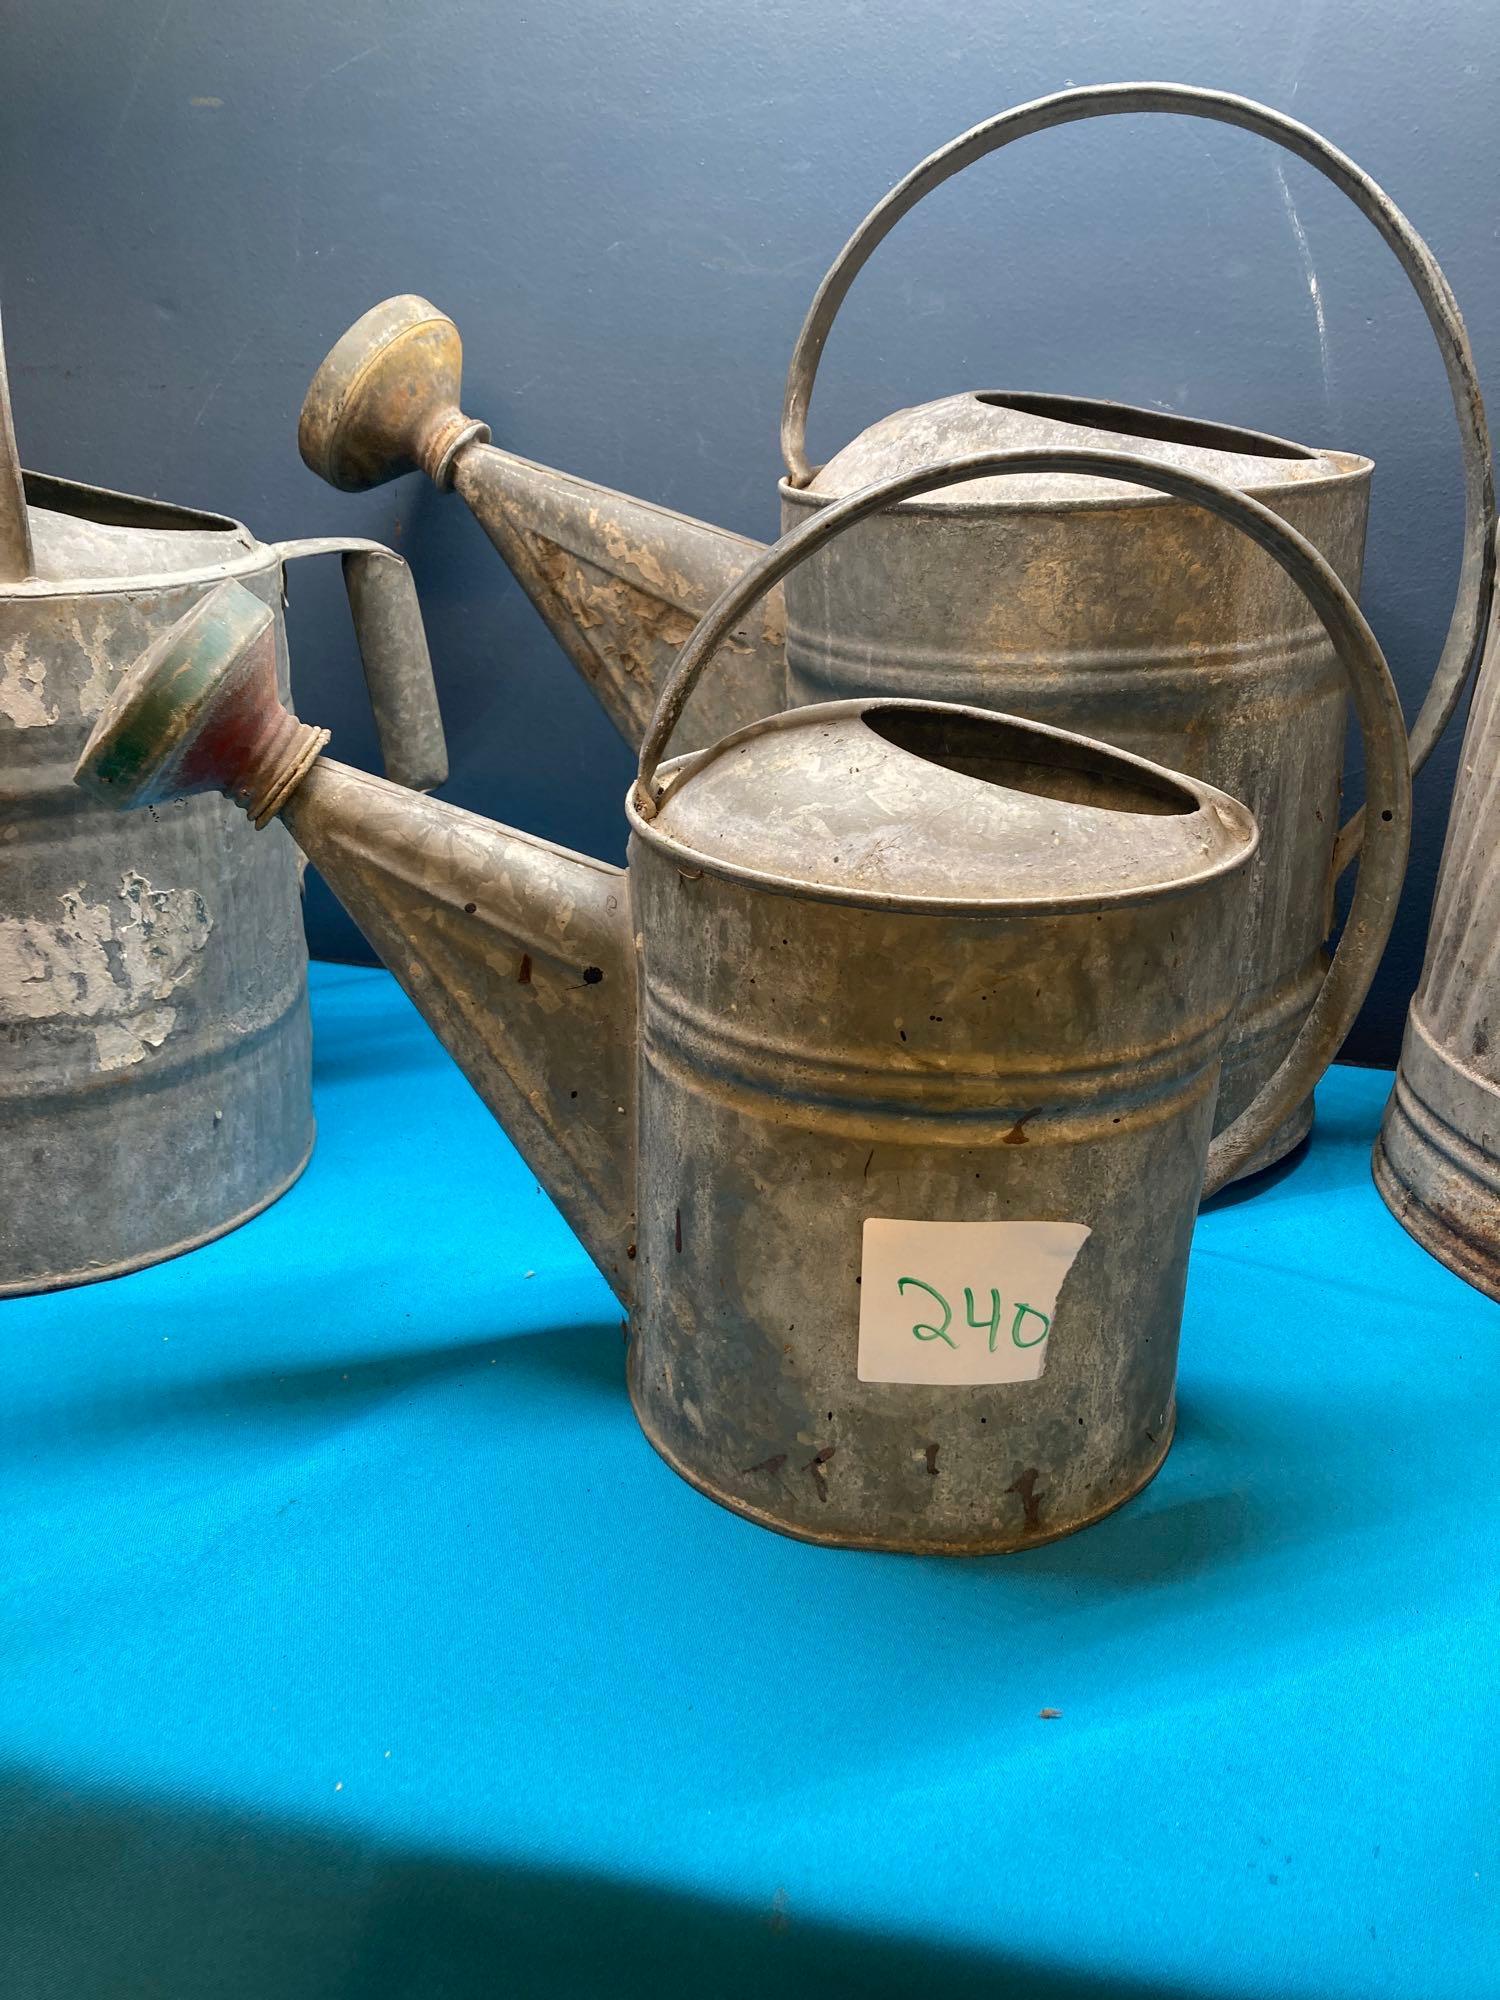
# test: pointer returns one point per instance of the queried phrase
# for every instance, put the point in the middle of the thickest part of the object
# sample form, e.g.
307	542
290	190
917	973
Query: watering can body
879	1085
975	1074
1437	1159
782	1022
153	1003
1115	612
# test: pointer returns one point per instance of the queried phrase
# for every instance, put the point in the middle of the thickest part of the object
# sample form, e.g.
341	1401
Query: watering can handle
1376	705
1471	610
393	650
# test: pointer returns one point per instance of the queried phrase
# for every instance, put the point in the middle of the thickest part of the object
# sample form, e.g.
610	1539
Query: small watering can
1437	1159
153	975
1009	597
880	1084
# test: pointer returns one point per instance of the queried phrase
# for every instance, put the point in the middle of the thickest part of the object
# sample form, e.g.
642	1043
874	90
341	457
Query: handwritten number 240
991	1326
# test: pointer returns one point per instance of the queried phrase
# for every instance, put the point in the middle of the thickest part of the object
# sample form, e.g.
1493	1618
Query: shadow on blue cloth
375	1044
1342	1161
1257	1185
582	1358
1206	1516
108	1898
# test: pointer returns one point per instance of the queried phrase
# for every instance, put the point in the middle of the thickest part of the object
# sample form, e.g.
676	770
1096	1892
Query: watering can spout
517	953
620	582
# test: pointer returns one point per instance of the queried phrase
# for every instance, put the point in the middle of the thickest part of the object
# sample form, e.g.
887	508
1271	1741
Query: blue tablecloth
356	1643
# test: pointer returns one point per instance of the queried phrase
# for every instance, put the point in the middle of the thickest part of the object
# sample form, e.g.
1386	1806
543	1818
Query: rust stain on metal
815	1466
1024	1487
386	400
628	630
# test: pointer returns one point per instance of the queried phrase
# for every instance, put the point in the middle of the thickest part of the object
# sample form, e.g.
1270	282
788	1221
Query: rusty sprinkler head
200	711
385	400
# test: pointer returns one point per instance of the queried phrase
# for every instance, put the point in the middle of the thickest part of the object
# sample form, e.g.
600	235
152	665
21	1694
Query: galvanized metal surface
153	1011
1007	596
871	959
1437	1160
1060	1056
153	1007
393	653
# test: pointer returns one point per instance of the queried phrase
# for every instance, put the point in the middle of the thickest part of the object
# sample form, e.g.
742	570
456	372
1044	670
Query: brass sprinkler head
385	400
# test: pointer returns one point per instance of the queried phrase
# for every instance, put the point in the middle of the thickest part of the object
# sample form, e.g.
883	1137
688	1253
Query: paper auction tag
960	1302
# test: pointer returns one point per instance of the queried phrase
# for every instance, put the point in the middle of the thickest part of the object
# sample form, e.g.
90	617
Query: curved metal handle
17	561
393	650
1376	705
1471	609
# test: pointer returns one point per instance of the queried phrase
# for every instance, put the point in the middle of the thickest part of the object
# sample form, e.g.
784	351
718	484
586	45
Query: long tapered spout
620	582
16	562
518	954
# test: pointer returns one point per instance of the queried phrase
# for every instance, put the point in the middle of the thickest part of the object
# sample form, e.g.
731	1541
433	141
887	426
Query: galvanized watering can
1008	596
880	1084
153	975
1437	1160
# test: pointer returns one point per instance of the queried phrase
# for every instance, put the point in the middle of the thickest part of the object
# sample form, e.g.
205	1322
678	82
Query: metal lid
901	800
87	533
991	421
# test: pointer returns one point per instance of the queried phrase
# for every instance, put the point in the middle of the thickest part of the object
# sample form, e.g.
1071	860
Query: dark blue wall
626	207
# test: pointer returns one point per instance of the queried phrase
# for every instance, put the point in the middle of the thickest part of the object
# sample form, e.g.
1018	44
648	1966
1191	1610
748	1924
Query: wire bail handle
1472	605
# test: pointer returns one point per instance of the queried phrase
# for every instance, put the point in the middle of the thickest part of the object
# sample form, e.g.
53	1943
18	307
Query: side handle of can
393	650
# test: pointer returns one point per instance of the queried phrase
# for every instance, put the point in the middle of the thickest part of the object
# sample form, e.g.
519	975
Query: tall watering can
153	974
1437	1159
880	1084
1013	596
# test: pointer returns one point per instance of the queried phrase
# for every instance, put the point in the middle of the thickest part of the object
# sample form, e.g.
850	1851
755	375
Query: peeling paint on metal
23	681
103	667
106	966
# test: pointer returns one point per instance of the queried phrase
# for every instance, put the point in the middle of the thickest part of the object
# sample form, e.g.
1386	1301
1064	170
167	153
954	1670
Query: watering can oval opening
1254	462
934	806
89	539
1068	770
